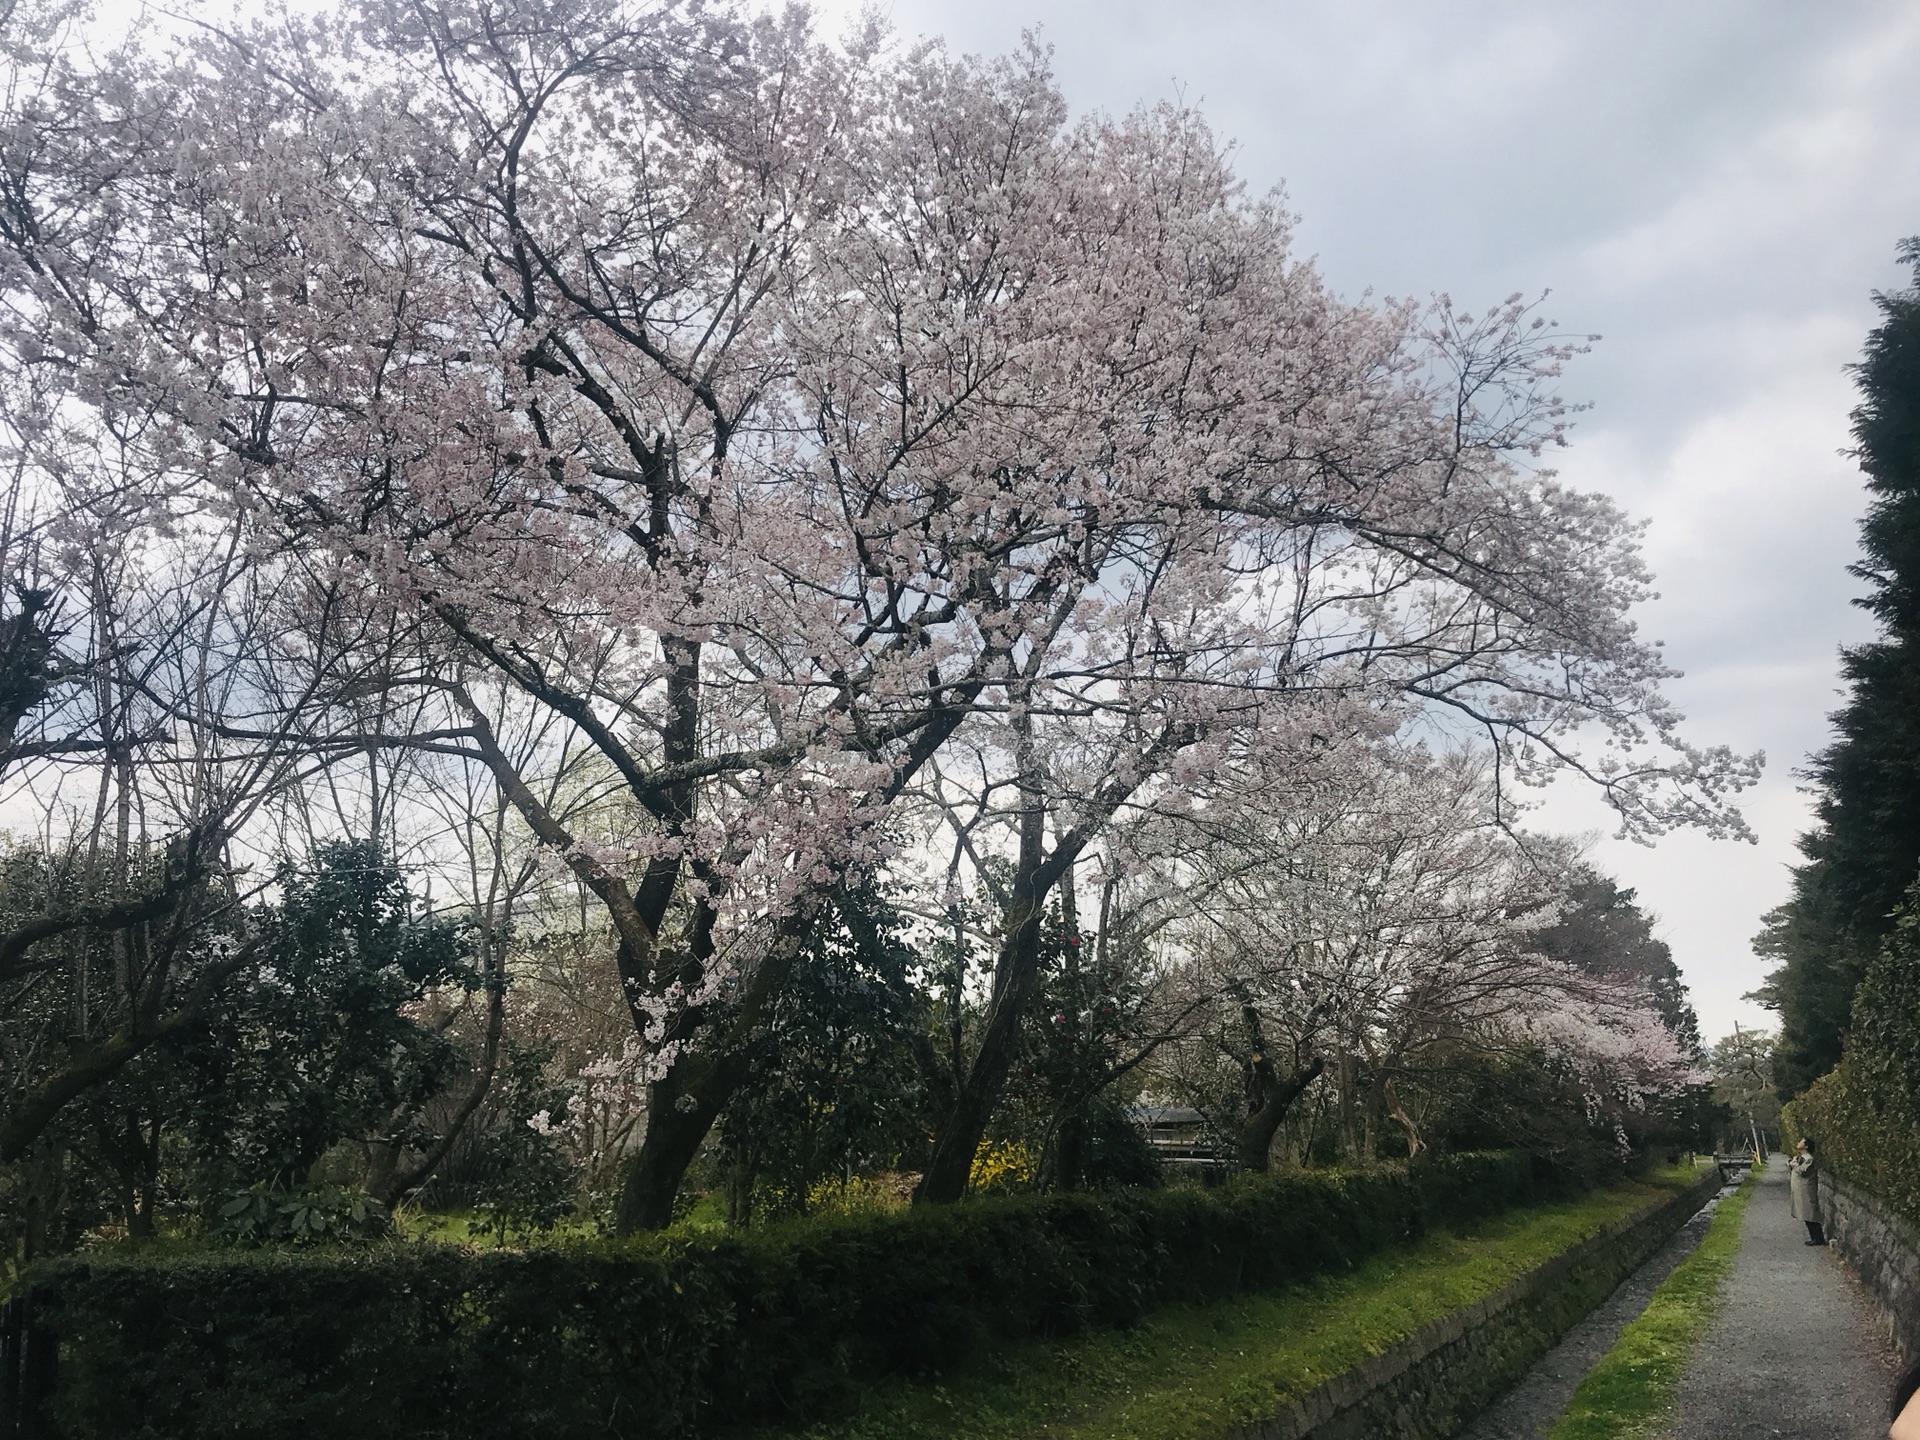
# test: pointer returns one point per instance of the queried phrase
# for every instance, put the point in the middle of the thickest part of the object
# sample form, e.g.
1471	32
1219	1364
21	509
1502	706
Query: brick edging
1443	1374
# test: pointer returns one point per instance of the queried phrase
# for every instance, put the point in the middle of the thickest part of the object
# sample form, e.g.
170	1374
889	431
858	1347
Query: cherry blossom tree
1387	925
786	419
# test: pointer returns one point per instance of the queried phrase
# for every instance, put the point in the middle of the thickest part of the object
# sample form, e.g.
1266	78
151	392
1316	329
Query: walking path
1794	1351
1527	1411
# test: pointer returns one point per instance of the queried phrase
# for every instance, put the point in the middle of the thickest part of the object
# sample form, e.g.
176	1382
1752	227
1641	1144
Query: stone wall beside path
1883	1249
1436	1380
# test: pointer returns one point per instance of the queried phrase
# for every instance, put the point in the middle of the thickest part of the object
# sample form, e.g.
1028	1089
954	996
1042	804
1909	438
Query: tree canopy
753	518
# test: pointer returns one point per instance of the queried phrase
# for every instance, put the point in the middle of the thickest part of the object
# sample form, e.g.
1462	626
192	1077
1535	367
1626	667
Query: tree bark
1269	1097
1415	1144
683	1104
389	1183
1066	1167
681	1108
674	1132
1036	873
1349	1128
22	1124
950	1166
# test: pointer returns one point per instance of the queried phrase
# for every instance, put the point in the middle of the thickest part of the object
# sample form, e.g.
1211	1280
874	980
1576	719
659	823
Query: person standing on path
1804	1192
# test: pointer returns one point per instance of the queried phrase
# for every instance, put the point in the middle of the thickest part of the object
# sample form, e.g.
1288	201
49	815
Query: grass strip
1630	1388
1193	1372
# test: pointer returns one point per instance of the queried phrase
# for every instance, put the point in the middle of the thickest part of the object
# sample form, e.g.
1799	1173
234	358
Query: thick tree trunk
681	1108
1255	1144
653	1179
951	1165
683	1104
1269	1094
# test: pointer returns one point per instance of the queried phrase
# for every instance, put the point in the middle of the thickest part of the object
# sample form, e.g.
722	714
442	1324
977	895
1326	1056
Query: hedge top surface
674	1336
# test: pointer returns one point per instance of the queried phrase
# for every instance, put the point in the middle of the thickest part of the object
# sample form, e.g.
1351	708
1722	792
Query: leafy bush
314	1215
1871	1139
1001	1167
1864	1116
674	1336
832	1086
529	1183
321	1043
862	1194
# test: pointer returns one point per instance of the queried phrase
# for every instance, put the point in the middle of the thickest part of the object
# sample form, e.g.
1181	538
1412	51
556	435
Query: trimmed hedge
1863	1133
670	1338
1863	1116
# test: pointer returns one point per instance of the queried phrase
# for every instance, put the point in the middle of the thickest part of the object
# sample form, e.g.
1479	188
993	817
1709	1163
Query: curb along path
1529	1410
1795	1351
1428	1382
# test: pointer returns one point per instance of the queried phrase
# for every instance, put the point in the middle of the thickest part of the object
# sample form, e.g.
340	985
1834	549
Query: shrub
670	1337
312	1215
1873	1139
1864	1115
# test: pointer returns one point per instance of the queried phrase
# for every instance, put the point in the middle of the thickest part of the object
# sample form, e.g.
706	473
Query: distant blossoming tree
1384	924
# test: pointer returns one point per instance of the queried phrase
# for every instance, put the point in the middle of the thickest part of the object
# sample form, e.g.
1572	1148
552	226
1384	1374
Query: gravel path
1794	1352
1527	1411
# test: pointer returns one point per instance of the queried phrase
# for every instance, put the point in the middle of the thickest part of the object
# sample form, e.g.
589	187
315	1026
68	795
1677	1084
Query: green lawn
1627	1391
1190	1372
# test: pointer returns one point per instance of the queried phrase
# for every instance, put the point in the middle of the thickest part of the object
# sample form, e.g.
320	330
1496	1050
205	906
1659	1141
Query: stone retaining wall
1883	1249
1435	1381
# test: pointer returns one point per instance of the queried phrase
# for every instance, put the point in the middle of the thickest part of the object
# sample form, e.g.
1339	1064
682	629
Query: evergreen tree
1605	932
835	1089
1865	852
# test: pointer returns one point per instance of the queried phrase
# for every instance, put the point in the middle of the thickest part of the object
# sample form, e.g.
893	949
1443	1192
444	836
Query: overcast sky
1714	188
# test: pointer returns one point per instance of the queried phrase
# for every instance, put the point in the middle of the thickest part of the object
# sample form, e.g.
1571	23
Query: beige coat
1804	1183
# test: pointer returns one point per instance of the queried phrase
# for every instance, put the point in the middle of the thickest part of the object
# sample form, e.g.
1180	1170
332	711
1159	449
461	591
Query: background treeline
1847	983
374	1050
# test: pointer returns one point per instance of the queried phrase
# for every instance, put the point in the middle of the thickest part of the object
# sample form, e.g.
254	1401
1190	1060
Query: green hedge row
670	1338
1864	1115
1860	1130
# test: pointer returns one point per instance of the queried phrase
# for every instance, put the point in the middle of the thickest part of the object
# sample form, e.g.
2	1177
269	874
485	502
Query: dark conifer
1865	853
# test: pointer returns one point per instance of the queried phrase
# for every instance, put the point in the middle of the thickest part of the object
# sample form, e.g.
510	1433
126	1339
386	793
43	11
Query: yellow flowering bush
1001	1165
